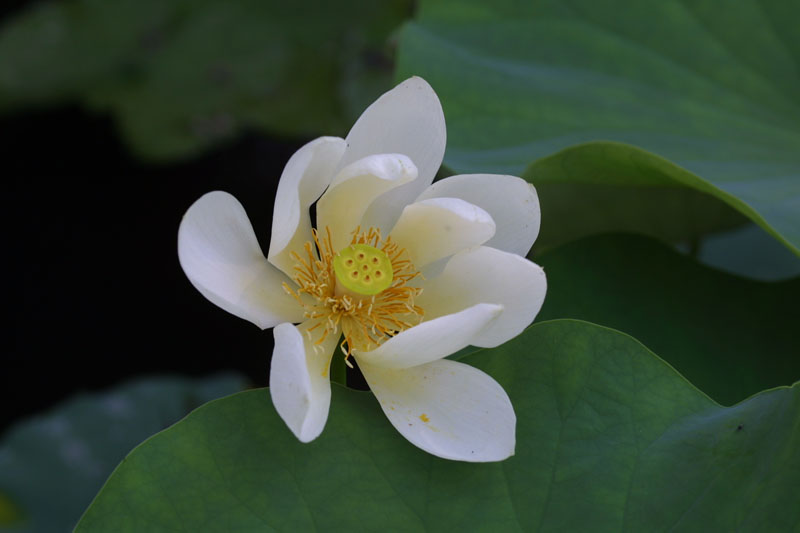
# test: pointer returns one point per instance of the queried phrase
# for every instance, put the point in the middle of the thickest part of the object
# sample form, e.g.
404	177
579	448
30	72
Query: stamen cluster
365	321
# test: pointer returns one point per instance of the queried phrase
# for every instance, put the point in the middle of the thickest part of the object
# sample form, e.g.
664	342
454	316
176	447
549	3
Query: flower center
363	269
361	292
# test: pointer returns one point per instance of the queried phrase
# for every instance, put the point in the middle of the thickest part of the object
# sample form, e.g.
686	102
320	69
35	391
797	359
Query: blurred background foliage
53	465
180	76
653	118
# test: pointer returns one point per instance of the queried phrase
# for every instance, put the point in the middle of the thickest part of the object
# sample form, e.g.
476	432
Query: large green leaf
52	465
181	75
730	336
609	438
712	86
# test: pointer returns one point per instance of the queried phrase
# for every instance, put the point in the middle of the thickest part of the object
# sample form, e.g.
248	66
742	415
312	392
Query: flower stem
338	369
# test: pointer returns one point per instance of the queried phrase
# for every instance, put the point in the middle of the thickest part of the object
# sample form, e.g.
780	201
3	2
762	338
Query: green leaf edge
671	172
649	351
465	358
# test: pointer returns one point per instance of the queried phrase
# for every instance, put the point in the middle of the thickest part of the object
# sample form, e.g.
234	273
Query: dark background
98	295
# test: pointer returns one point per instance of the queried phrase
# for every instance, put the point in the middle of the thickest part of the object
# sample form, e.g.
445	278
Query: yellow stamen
366	318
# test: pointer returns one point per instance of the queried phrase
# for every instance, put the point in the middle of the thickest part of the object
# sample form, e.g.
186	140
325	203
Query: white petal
449	409
221	257
299	382
305	177
512	202
432	229
487	275
434	339
352	190
406	120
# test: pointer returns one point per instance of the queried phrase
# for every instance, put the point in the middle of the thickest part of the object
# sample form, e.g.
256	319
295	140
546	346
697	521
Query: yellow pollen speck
381	307
424	418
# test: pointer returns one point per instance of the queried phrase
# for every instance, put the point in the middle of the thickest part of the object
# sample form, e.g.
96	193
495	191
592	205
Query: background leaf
10	514
521	80
181	75
729	336
609	438
51	466
601	187
748	251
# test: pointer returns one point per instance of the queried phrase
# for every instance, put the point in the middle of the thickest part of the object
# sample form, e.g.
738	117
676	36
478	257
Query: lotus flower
398	274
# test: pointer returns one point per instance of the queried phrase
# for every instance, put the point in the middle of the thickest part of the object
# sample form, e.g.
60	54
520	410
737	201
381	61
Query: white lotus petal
305	177
487	275
406	120
512	202
432	229
354	188
449	409
434	339
298	379
221	257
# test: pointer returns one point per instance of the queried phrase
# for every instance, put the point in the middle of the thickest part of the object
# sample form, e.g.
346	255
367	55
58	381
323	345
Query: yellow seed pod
363	269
